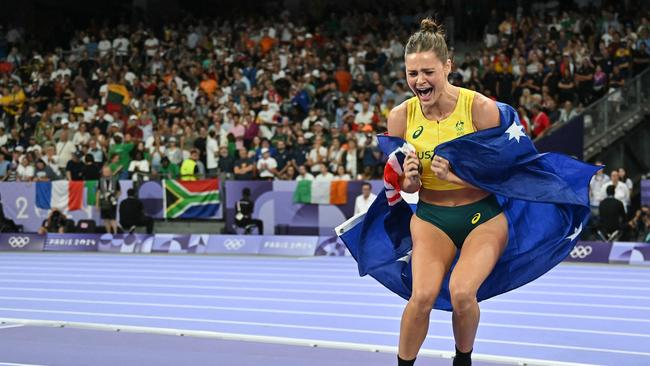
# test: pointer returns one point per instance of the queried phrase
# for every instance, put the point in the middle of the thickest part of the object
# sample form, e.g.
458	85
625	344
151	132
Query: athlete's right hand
412	171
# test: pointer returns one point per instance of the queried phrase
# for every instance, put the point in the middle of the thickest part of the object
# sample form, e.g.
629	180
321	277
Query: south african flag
191	199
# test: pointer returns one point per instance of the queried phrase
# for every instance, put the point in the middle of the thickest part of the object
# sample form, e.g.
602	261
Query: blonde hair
430	37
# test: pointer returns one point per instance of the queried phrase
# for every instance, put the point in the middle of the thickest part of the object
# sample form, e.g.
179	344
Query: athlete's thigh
433	254
480	252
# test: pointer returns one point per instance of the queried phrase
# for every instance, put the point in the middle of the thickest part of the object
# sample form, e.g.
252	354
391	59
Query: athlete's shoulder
485	113
397	119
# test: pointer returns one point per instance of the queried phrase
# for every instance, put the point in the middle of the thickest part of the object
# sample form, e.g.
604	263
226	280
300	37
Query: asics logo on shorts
18	241
418	132
476	217
233	244
581	251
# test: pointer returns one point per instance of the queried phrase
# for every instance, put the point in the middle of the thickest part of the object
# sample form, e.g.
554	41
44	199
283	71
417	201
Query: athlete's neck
445	104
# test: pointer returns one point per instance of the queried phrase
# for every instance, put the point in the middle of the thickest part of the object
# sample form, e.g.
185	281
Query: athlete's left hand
440	167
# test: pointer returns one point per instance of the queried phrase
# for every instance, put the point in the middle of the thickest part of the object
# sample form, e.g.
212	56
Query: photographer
640	225
55	223
132	213
107	195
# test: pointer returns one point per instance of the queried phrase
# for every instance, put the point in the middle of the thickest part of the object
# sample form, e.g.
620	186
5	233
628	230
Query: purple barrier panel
173	243
234	244
298	246
330	246
125	243
630	253
645	192
21	242
86	242
590	251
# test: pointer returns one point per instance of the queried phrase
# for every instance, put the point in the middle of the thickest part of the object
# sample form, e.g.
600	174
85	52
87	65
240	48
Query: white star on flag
575	234
515	131
407	257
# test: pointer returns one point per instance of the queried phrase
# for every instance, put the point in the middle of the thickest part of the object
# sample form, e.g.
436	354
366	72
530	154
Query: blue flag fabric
544	198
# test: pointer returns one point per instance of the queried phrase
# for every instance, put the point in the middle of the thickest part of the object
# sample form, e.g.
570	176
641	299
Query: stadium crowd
276	99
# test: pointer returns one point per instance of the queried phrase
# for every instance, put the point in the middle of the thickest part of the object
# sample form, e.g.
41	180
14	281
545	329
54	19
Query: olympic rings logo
234	244
18	241
581	251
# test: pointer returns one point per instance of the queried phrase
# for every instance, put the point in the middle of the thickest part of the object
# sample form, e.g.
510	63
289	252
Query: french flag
62	194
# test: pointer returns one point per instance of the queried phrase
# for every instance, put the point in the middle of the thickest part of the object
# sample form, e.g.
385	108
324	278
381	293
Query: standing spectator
622	176
212	154
189	168
25	171
139	168
612	214
168	170
621	192
107	195
225	163
365	199
325	175
91	170
132	213
303	174
75	168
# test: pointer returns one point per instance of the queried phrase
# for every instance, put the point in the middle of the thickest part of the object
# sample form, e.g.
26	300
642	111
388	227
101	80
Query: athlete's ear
448	66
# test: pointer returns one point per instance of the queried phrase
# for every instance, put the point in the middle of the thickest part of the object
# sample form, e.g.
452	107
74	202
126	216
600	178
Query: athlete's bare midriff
457	197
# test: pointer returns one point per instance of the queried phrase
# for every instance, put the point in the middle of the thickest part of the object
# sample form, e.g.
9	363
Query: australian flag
544	198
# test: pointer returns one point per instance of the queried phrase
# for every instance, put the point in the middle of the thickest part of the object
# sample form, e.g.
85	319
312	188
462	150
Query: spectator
597	187
74	170
25	171
225	163
190	168
107	195
139	168
168	170
132	213
621	192
244	168
622	177
303	174
325	175
612	214
43	173
4	166
640	225
541	122
365	199
56	222
267	166
91	170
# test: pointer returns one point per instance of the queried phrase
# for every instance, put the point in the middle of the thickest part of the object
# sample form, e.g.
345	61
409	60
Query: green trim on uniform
458	221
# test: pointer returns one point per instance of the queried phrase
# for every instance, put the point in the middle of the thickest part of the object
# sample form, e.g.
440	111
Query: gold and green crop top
425	134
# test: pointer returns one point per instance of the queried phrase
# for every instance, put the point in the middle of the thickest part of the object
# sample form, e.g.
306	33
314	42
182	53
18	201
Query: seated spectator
168	170
56	222
25	171
43	173
640	225
132	213
267	166
540	121
4	166
341	174
244	168
303	174
139	168
324	175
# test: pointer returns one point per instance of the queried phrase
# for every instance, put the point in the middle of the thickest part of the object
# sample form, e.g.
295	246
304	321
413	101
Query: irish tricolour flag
325	193
62	194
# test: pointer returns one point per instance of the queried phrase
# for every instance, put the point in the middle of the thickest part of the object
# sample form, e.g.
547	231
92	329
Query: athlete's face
426	75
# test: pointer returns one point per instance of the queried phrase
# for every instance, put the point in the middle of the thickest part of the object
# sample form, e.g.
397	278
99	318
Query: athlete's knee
463	297
422	300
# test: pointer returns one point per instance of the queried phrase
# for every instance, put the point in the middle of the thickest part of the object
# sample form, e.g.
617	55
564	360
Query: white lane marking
311	313
288	341
319	328
9	326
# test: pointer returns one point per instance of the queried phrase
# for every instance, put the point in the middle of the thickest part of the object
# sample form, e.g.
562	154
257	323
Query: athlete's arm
410	180
485	114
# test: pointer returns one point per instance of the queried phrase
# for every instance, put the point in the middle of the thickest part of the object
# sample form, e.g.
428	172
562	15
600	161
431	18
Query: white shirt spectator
363	117
121	46
264	166
596	189
65	150
81	138
307	176
151	45
142	166
104	47
362	204
25	173
327	177
211	151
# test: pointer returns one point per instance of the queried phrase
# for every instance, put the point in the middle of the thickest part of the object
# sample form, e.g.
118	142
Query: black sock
463	358
401	362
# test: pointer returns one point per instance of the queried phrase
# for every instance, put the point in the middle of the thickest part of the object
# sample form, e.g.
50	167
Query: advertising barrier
630	253
125	243
22	242
591	252
72	242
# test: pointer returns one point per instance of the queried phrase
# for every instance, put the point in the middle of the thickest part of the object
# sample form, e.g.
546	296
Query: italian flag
62	194
324	193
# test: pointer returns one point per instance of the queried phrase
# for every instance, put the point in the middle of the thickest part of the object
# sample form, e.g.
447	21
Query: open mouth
424	92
